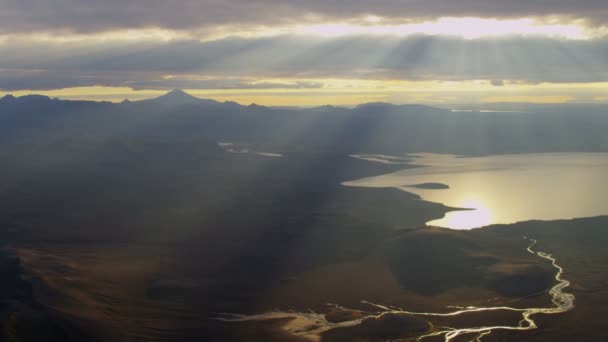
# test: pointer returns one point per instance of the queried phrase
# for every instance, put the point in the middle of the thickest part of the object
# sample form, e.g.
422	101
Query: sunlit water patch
506	188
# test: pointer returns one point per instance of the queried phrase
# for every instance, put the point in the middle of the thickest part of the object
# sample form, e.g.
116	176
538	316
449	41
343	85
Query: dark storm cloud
97	15
234	63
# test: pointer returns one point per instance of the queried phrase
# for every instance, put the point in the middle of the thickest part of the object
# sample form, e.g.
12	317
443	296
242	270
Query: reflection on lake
506	188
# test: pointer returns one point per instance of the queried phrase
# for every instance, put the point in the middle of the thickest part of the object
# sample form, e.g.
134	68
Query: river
312	325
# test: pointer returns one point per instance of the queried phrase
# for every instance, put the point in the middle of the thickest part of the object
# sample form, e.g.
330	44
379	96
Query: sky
307	53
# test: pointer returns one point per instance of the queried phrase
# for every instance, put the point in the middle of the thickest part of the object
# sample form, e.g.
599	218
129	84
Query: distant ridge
373	128
8	97
25	100
177	97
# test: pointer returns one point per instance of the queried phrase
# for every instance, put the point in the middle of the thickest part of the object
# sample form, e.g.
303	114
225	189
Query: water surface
506	188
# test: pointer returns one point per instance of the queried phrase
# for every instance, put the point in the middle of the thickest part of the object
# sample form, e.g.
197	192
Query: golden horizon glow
549	99
356	91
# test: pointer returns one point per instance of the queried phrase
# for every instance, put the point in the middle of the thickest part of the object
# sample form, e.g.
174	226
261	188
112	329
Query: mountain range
367	128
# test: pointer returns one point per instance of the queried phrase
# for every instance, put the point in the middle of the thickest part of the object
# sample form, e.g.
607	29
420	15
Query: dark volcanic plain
127	222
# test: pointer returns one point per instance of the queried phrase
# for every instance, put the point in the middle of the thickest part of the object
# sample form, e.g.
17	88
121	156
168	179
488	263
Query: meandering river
312	325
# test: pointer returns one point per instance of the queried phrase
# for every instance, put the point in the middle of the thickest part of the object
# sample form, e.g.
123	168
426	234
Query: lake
504	188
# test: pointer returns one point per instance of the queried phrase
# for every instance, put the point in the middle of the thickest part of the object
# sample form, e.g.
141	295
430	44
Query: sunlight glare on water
507	188
480	215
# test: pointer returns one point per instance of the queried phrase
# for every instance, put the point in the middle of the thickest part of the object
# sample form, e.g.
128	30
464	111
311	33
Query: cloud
299	62
38	79
15	80
97	15
220	84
